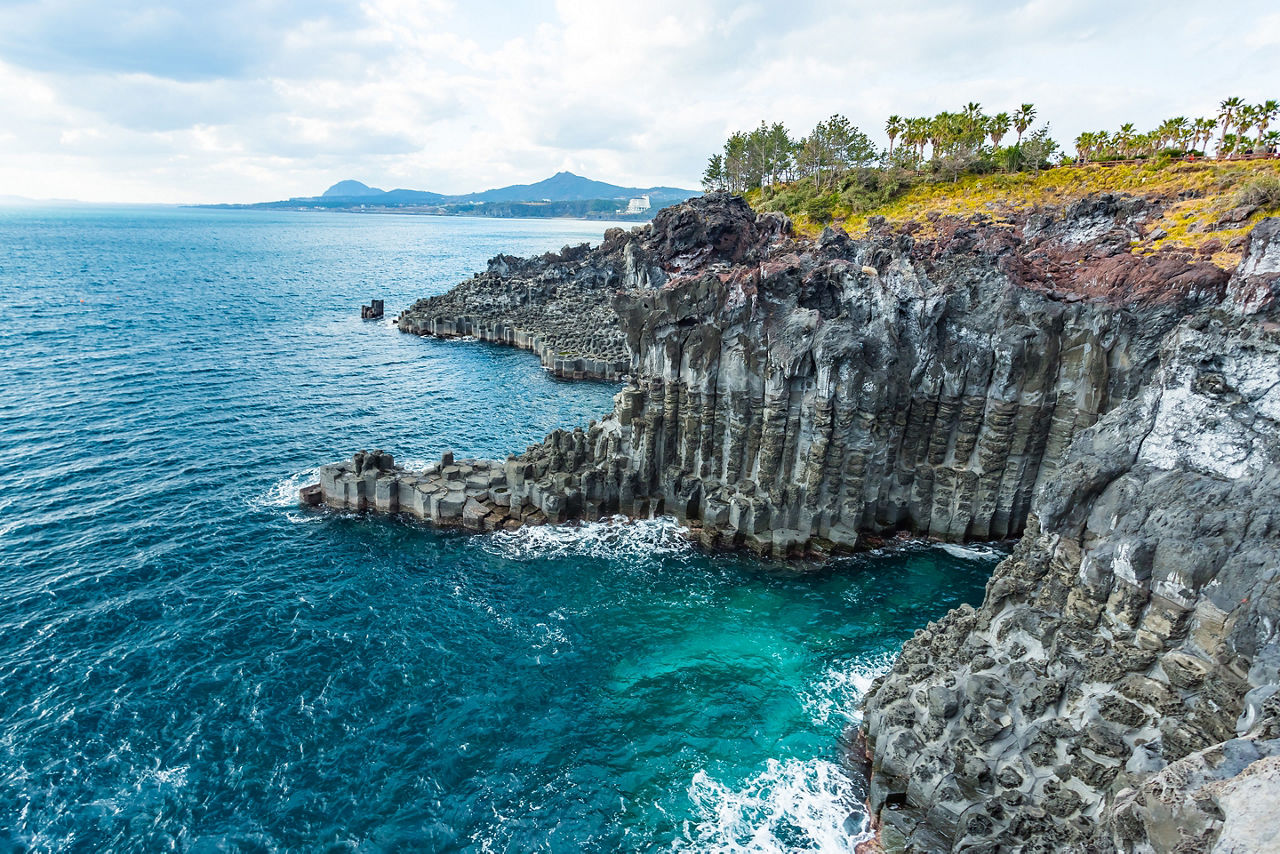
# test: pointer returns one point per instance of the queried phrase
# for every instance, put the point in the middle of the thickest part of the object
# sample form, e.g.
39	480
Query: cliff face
1117	688
791	397
558	304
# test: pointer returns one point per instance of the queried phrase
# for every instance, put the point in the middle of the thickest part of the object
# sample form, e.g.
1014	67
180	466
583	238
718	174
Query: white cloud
243	100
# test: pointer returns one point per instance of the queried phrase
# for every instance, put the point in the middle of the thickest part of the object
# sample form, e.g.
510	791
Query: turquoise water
190	662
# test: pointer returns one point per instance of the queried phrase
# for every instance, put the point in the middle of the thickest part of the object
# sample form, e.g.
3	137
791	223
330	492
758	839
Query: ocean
189	661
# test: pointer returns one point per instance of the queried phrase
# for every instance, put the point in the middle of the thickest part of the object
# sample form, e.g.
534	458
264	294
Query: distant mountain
567	187
563	194
350	189
24	201
346	191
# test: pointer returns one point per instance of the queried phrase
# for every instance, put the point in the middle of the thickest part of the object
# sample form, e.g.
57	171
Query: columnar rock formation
558	304
1118	688
451	493
788	396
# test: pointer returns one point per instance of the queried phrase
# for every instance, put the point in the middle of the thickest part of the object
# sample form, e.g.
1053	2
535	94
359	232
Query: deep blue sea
191	662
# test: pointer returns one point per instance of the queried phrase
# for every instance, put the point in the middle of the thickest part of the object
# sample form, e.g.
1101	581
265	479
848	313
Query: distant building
639	205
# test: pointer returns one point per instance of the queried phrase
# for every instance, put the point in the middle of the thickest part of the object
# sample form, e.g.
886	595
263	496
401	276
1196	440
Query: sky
254	100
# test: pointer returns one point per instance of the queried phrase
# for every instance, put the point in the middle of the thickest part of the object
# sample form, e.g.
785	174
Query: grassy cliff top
1204	206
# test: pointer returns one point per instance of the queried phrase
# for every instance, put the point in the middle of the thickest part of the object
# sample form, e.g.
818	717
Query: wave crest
838	694
972	551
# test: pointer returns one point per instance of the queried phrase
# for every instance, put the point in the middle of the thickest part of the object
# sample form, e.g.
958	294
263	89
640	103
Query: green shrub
821	208
1262	191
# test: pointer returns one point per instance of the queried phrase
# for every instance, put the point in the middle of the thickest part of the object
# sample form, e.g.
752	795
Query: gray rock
1121	413
1147	582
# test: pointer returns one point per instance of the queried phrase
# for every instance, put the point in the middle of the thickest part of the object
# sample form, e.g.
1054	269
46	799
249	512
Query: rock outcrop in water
558	304
469	494
1117	689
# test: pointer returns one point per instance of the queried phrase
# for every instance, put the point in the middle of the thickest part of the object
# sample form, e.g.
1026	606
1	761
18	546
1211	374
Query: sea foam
837	695
617	538
793	805
284	492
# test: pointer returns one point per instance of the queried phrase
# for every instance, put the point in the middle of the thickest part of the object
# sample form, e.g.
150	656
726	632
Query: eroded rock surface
790	396
1117	688
558	304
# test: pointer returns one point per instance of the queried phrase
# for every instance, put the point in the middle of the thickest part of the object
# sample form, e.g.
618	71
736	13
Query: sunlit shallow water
189	661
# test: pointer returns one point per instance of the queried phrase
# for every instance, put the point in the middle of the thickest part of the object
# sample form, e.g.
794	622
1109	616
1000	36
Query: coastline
796	397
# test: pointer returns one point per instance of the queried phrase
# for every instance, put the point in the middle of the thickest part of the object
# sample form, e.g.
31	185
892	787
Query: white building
639	205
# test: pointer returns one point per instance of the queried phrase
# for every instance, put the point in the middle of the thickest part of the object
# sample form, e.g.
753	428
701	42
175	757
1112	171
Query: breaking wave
792	805
617	538
837	695
284	492
972	552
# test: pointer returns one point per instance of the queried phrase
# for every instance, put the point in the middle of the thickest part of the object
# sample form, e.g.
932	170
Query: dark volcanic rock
812	393
558	304
792	397
1119	687
1131	638
1255	287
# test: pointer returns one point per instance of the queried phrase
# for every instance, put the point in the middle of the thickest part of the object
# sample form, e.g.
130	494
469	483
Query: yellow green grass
1199	194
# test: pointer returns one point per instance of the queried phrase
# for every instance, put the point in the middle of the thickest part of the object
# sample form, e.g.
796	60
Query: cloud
243	100
181	41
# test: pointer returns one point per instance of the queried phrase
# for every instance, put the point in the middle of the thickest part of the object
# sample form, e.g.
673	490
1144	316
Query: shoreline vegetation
957	163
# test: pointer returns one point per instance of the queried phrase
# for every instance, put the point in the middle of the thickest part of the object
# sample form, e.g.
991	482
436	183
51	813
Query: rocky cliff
1117	689
558	304
791	396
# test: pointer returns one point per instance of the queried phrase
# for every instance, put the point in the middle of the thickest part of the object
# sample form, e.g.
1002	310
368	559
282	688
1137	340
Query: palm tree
911	133
973	119
1172	133
1085	145
1163	133
937	133
1266	111
1228	145
1124	139
893	127
1022	119
1180	126
997	126
1246	118
915	133
1203	130
1149	144
1272	141
1106	145
1226	110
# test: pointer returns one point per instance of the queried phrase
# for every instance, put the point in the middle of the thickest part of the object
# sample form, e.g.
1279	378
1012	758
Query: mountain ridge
563	186
564	194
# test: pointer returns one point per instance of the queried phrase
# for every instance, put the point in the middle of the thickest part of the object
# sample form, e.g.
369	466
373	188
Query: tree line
949	144
969	140
769	155
1240	128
